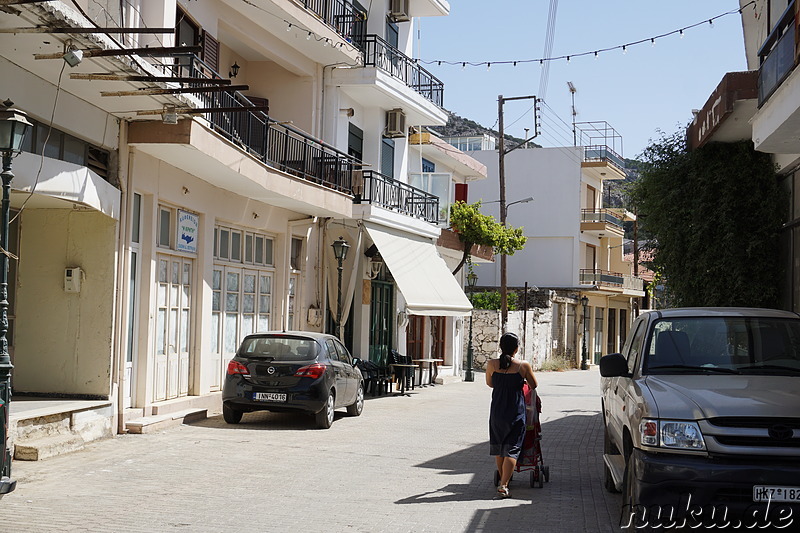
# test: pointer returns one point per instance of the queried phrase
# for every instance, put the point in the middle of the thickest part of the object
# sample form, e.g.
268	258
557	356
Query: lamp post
340	248
13	126
584	357
469	374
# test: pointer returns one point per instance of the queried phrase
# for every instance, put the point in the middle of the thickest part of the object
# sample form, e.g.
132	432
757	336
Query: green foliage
715	216
473	227
491	300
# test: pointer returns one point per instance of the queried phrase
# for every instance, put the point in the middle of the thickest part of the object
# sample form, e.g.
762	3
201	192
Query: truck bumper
723	487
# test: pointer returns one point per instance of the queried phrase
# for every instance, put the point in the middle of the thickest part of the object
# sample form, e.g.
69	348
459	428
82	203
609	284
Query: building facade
197	171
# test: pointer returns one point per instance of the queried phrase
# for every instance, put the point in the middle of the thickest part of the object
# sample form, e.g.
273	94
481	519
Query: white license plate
775	493
269	396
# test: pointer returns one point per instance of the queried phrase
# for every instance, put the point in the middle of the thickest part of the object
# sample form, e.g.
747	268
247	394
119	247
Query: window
598	333
387	158
237	246
632	349
355	142
136	218
164	226
65	147
428	166
296	258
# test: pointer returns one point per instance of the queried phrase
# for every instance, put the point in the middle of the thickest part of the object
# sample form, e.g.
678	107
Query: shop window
297	254
165	225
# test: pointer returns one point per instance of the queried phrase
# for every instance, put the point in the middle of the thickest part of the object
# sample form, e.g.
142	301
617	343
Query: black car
292	371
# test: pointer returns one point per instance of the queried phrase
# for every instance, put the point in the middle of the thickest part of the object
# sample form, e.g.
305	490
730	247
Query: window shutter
210	51
461	192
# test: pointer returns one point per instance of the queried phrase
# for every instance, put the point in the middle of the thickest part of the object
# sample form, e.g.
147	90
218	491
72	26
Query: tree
715	215
473	227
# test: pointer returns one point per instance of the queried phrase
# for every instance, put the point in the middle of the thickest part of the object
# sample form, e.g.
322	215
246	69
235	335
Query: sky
646	89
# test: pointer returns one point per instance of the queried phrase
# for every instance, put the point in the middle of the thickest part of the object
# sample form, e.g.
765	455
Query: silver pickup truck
702	416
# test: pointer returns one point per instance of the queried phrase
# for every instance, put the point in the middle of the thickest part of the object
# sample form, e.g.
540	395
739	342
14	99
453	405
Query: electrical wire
568	57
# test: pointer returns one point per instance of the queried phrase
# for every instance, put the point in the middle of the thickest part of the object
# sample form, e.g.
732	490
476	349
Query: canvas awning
422	276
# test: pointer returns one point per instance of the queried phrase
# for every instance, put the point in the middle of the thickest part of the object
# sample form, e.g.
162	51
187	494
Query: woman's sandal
503	492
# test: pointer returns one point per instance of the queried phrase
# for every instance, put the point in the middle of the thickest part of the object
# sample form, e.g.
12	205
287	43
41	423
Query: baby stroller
531	456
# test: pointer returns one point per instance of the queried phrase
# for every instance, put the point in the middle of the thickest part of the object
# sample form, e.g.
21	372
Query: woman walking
506	376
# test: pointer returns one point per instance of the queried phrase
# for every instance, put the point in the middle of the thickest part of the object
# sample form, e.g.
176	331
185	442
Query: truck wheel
631	511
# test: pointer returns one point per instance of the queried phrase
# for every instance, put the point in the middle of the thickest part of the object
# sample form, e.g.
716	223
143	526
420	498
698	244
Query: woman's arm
527	373
489	371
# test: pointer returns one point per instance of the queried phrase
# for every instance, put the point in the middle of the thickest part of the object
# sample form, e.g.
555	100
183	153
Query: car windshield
734	345
281	348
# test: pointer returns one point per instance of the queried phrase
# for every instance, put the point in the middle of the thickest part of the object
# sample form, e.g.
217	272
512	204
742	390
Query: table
433	369
404	374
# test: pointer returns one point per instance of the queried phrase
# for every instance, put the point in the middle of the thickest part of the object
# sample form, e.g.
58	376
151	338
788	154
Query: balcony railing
601	278
633	283
381	54
777	55
372	187
340	15
605	154
276	144
600	215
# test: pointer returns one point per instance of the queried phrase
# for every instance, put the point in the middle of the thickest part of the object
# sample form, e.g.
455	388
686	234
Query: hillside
463	127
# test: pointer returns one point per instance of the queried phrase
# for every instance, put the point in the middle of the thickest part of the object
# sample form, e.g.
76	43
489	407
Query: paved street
416	463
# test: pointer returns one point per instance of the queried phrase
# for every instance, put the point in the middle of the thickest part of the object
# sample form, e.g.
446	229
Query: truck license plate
763	493
269	397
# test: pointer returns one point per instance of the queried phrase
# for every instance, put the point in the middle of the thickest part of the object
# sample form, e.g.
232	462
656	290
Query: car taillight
235	367
310	371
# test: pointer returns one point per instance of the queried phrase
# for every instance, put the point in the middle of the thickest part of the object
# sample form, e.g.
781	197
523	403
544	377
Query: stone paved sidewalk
408	464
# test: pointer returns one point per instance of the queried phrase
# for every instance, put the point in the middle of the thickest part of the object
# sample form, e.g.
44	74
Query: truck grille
753	435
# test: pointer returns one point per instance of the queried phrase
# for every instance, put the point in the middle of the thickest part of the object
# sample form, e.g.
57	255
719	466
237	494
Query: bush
557	363
491	300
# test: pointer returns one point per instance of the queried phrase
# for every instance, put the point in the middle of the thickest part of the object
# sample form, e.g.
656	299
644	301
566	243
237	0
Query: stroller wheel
496	478
546	470
534	476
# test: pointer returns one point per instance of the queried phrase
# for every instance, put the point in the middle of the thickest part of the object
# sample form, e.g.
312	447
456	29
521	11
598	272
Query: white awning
422	276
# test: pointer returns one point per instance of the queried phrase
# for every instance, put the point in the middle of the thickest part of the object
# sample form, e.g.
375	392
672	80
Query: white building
198	215
574	246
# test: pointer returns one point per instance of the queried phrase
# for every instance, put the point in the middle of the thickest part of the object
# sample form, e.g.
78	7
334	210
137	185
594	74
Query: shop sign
188	224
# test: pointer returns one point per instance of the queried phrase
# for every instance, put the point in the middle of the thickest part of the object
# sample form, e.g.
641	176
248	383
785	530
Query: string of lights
623	47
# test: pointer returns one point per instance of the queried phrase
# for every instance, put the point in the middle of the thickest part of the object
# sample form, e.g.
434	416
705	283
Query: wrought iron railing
381	54
278	145
605	216
595	276
372	187
605	154
340	15
777	55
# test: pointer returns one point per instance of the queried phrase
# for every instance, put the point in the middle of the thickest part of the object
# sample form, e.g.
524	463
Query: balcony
602	147
601	223
777	55
601	278
276	144
633	286
376	189
379	53
341	16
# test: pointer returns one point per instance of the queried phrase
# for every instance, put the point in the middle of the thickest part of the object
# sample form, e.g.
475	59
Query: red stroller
531	456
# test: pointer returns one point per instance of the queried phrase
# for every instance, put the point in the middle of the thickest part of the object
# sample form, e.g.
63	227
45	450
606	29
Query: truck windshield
745	345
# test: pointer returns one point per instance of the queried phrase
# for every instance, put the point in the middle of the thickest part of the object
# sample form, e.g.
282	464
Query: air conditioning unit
398	11
395	123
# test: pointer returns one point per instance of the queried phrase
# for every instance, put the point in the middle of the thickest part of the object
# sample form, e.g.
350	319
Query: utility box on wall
72	279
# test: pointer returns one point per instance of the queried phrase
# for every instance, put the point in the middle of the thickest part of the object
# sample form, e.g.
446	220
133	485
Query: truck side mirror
613	365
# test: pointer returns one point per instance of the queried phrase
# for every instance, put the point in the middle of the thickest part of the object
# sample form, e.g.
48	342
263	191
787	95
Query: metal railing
632	283
605	216
278	145
342	16
595	276
372	187
603	153
777	55
381	54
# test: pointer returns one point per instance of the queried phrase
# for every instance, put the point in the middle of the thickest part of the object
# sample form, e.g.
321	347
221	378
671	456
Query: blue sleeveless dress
507	415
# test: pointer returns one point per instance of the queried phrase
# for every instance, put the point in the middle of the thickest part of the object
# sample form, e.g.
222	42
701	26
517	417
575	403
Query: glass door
381	321
172	327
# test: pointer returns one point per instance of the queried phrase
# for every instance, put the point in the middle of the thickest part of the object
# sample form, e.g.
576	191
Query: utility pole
501	170
572	91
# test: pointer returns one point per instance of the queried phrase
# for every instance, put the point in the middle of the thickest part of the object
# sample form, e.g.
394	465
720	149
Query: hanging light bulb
289	27
325	42
567	59
681	32
652	42
463	66
624	49
711	22
595	56
308	37
488	66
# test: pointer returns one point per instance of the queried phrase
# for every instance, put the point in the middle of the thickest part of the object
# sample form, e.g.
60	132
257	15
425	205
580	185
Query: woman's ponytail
509	343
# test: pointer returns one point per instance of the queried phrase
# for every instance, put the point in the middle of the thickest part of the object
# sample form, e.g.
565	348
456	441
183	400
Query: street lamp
340	248
584	358
469	375
13	126
504	262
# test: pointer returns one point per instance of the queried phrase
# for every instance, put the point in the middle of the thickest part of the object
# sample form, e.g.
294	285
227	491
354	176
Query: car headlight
673	434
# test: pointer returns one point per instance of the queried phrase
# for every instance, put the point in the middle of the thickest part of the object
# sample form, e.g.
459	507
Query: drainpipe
122	287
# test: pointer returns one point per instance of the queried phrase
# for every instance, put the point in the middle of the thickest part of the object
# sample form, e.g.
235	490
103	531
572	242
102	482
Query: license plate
269	396
763	493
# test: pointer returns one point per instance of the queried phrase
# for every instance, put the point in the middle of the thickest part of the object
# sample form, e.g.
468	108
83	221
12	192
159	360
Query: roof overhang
726	115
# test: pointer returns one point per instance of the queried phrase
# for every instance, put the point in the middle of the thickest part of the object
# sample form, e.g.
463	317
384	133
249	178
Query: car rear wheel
231	415
325	417
357	406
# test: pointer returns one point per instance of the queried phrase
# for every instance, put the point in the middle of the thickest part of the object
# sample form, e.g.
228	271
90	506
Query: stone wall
536	336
